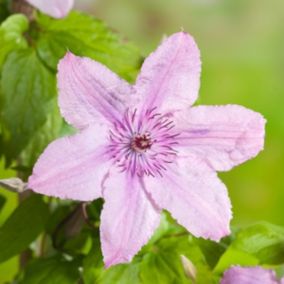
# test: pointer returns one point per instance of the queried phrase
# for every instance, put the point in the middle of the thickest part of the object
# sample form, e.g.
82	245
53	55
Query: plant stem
26	255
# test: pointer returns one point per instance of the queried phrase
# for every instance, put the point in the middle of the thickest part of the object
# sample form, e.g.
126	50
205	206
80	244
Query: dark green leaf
79	244
22	227
211	250
54	270
94	210
70	226
1	142
60	212
86	36
2	202
48	132
4	11
27	92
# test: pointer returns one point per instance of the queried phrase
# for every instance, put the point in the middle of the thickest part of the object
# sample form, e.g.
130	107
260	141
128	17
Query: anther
141	143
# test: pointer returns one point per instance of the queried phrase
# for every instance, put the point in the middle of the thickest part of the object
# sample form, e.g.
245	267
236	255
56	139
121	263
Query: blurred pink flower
250	275
143	148
53	8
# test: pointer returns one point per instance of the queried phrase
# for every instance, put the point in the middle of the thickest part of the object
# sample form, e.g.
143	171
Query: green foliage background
242	47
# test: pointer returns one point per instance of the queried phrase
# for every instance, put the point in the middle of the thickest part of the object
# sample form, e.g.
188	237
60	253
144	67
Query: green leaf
54	270
79	244
159	262
94	210
2	202
262	243
122	274
22	227
235	257
48	132
162	267
94	271
163	263
92	263
86	36
11	35
204	273
60	212
211	250
4	11
27	92
1	141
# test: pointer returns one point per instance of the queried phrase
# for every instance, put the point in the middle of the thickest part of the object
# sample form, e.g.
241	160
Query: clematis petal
170	76
194	196
223	136
53	8
72	167
249	275
128	218
90	92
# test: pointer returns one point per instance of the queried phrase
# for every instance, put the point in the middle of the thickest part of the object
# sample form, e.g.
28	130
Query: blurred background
242	47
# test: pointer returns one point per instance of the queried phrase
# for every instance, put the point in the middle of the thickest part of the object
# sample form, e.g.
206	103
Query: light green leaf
163	267
262	243
11	35
22	227
53	270
235	257
121	274
93	264
86	36
27	92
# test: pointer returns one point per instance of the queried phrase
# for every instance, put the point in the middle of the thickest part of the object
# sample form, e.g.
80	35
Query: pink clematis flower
143	148
53	8
250	275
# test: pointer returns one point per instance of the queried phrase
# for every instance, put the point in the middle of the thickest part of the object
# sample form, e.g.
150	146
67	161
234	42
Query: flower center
141	143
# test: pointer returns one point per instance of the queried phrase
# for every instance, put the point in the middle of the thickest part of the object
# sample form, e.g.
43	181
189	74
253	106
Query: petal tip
115	260
183	35
217	238
69	56
65	63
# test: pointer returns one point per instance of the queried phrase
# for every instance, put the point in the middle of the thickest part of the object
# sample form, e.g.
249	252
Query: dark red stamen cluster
141	143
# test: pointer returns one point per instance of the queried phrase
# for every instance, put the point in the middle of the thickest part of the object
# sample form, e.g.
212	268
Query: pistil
141	143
